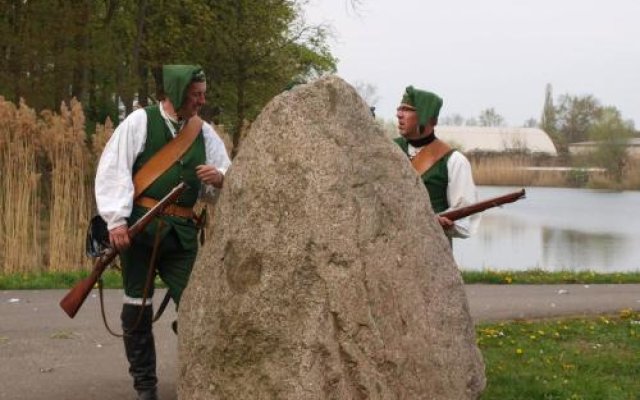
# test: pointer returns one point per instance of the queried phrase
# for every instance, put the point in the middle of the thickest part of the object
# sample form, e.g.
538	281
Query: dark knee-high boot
141	350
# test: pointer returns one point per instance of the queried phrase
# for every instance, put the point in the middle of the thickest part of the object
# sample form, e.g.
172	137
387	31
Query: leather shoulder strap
166	156
429	155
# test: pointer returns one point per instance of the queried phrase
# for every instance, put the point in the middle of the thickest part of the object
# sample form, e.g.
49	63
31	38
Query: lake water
556	229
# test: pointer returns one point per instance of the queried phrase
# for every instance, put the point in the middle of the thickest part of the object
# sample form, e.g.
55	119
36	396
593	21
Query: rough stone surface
327	276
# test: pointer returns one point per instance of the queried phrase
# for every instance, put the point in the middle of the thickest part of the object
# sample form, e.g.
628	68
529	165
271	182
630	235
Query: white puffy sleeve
114	177
216	155
461	192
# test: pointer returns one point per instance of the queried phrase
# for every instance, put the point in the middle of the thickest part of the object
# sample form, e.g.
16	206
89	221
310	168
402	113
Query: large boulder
327	276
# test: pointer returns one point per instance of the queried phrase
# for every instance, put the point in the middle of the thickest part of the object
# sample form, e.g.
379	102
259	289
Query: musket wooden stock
483	205
72	302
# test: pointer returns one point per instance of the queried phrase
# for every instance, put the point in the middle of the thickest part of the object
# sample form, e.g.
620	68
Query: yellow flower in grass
491	332
626	313
519	351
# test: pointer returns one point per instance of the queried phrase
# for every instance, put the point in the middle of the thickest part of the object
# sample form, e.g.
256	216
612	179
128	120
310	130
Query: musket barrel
74	299
463	212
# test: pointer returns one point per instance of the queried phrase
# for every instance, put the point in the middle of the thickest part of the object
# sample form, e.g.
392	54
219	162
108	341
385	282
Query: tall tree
368	92
575	115
261	47
490	117
58	50
452	120
530	123
108	52
611	133
548	119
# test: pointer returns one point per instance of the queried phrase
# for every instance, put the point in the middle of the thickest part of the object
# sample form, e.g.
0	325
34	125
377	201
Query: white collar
168	120
412	151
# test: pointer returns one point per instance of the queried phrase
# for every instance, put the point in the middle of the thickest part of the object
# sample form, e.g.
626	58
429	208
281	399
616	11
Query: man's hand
210	175
119	238
445	222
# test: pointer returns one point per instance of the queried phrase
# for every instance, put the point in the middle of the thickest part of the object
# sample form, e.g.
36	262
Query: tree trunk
82	43
136	62
15	57
240	111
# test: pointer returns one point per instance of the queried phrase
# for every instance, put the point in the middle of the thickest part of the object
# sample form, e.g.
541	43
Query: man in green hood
446	173
172	236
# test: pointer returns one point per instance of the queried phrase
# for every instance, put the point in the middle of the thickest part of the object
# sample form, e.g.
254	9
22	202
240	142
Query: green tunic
436	179
158	134
179	237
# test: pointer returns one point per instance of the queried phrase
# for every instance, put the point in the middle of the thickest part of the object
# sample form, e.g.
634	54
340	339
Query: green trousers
173	263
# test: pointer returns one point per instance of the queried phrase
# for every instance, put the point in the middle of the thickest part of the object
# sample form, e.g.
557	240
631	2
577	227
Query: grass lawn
536	277
596	359
55	280
112	280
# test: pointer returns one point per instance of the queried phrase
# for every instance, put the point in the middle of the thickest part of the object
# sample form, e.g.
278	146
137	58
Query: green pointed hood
427	104
176	80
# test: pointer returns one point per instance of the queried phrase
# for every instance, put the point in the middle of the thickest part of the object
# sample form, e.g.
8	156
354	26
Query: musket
72	302
483	205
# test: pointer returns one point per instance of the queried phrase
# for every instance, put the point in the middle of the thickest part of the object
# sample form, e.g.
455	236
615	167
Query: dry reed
46	187
503	170
631	174
515	170
19	189
70	199
100	139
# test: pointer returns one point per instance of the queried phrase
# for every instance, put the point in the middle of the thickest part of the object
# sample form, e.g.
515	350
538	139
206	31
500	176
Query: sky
490	53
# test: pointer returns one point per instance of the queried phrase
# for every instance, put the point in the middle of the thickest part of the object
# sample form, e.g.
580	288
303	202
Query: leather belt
172	209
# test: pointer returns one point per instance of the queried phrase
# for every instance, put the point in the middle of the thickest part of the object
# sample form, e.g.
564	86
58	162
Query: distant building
471	139
633	147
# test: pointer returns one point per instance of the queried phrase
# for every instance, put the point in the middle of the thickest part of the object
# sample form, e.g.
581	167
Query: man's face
194	99
407	121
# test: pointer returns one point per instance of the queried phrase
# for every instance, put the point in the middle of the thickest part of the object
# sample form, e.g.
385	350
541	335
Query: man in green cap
446	173
173	235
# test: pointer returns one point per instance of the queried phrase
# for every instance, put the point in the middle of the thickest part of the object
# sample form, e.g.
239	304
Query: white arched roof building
496	139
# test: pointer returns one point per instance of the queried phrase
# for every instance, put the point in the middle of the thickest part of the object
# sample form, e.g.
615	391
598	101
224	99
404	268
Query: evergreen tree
548	119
